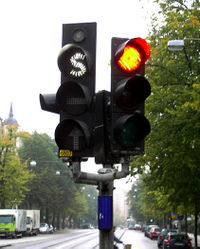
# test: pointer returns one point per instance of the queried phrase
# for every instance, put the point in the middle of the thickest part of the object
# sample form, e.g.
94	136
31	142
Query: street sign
105	212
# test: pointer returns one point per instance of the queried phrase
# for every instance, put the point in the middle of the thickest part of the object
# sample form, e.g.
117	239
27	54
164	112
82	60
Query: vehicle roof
154	228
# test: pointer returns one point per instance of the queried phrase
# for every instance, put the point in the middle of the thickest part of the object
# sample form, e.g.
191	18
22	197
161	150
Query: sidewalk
192	237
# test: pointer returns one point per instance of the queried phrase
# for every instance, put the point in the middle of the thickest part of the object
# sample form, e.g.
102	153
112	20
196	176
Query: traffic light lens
79	35
72	135
131	129
73	61
131	92
130	59
73	98
128	134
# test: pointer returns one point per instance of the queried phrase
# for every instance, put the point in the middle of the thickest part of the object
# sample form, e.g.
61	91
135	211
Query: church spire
11	111
10	119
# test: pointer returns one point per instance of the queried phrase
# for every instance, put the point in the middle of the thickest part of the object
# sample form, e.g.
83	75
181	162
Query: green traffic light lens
128	134
79	35
131	129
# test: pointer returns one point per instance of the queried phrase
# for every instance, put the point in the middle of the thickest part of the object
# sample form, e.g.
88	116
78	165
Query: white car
44	228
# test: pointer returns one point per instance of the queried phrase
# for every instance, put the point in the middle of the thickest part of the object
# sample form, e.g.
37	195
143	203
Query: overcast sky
31	40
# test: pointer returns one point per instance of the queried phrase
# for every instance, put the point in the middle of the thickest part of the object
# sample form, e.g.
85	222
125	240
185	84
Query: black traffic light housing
129	89
74	100
77	63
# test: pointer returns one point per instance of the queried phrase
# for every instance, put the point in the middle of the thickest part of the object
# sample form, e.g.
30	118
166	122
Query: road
138	240
77	239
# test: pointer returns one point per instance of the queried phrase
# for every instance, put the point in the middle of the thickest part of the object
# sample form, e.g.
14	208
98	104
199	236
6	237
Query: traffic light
74	100
151	220
129	89
75	97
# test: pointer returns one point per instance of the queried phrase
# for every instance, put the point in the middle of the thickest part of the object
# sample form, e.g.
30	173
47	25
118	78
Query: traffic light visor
143	46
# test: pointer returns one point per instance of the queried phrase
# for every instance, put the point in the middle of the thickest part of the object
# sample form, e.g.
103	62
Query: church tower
10	120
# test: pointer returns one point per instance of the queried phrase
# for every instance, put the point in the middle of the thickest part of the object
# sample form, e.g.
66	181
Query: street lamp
178	45
33	163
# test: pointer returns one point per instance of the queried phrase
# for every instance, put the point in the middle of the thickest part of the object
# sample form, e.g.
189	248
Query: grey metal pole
106	237
104	179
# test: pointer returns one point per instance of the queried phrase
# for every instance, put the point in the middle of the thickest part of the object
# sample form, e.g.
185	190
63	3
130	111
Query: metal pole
106	236
104	179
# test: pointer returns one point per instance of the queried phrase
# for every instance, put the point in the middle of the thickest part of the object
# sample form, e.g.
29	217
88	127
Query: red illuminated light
130	59
135	52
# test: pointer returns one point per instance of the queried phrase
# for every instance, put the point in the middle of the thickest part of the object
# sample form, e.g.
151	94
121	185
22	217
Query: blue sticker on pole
105	212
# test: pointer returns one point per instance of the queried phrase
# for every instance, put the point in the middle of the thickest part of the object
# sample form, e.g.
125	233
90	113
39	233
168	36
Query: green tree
147	202
13	173
91	197
172	149
55	195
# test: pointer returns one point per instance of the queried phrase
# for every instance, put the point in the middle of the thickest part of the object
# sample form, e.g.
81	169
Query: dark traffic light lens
131	92
74	98
79	35
128	134
72	135
131	129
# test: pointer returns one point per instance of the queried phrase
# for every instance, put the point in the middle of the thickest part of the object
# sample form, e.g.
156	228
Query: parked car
130	227
51	229
144	227
147	232
87	226
162	235
137	227
154	232
44	228
177	241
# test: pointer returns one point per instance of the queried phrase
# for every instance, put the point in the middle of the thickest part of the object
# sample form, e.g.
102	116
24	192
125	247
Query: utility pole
106	235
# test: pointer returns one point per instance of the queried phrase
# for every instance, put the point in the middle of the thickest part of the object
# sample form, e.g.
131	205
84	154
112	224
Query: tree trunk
58	222
186	224
47	215
3	205
53	219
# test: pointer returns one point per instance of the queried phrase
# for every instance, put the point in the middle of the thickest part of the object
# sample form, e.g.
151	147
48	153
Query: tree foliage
173	146
13	173
52	189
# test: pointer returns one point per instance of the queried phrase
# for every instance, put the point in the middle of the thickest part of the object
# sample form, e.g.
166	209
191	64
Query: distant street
77	239
138	240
